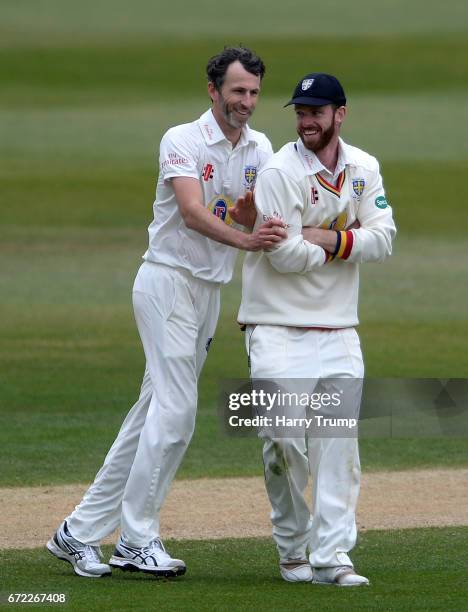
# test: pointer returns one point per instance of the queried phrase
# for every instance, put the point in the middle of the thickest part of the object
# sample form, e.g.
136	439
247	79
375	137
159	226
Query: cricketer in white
205	167
299	301
176	305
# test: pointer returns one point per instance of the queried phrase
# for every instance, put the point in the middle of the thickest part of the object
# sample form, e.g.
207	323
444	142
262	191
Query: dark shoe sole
163	573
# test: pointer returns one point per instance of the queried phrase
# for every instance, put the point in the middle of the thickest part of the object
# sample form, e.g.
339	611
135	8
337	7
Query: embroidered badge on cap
306	84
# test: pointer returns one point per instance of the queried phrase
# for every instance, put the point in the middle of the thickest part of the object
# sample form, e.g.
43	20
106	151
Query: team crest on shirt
306	84
250	176
358	186
219	206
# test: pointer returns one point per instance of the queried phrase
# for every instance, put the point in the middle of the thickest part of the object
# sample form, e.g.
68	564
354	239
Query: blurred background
87	91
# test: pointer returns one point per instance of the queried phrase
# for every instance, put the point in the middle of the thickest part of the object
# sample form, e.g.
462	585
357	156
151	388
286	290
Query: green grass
87	91
71	359
421	569
67	140
46	22
73	74
70	356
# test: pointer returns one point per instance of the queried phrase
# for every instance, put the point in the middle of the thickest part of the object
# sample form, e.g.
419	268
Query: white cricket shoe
340	576
296	570
153	559
86	559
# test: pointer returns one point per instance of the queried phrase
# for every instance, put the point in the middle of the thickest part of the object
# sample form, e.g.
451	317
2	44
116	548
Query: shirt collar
213	134
343	156
314	165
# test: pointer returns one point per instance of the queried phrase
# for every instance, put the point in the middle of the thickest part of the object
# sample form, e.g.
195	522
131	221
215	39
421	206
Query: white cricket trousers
176	315
328	529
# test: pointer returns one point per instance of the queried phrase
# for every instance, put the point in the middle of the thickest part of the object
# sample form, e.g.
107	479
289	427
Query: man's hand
323	237
243	211
196	217
265	237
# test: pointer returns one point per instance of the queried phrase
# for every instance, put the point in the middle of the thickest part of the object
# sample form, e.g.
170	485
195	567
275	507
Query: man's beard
229	116
324	140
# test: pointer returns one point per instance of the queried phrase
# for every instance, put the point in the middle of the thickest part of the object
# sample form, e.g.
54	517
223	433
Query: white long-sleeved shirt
296	284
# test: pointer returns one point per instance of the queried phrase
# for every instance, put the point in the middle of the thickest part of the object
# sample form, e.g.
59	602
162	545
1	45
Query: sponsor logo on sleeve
381	202
173	159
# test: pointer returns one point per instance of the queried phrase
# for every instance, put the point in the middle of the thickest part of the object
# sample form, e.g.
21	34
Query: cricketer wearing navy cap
320	105
299	305
318	89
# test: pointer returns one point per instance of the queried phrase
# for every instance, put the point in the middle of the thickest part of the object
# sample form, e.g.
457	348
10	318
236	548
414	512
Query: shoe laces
92	553
343	570
157	547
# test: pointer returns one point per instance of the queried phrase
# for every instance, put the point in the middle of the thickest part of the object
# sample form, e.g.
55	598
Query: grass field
88	90
411	570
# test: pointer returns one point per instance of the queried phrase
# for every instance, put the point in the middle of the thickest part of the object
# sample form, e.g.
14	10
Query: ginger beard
324	136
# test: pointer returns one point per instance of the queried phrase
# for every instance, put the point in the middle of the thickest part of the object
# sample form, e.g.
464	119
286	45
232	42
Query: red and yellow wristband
344	246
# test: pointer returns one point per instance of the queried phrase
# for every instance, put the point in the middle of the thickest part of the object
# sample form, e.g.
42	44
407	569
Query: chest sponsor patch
338	223
381	202
219	206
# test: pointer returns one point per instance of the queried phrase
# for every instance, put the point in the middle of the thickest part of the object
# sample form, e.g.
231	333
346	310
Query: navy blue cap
318	89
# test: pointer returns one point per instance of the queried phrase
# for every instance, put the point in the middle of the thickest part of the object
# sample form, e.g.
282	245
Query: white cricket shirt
296	284
200	150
